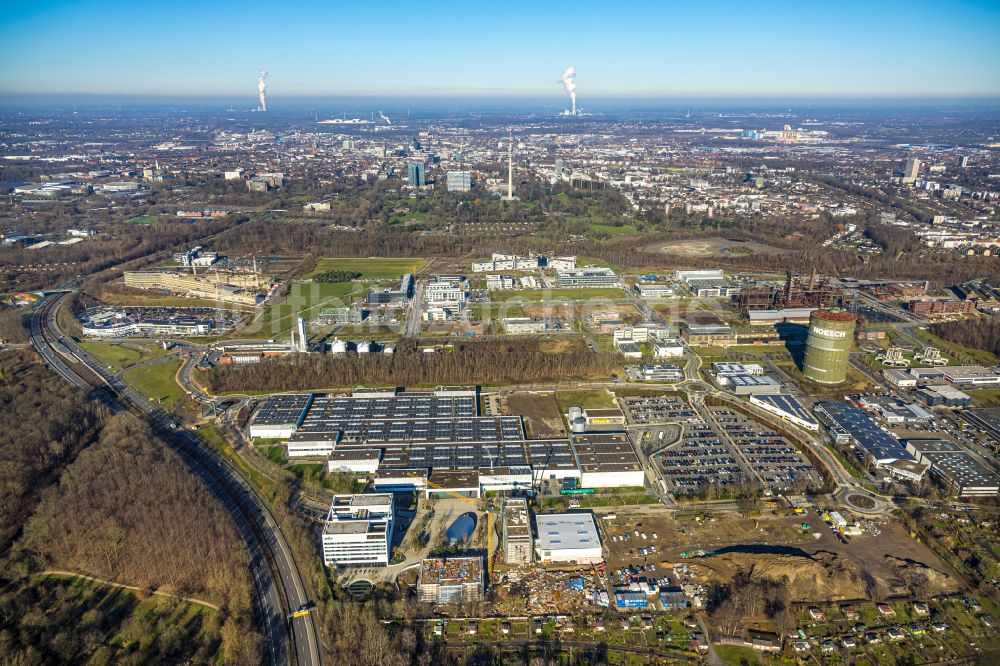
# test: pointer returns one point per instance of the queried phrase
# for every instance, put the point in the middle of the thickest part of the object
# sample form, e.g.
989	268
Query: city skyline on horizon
449	51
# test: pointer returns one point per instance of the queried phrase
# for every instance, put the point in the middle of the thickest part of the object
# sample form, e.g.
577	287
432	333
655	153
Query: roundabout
864	503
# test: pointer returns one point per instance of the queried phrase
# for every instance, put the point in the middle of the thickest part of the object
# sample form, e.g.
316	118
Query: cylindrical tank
339	347
828	346
579	424
575	413
364	347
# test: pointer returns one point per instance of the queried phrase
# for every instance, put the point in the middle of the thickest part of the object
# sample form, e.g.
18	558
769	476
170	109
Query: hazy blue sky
513	48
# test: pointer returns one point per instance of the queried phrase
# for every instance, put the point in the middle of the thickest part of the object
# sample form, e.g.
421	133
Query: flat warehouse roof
399	406
985	418
960	372
550	454
962	468
469	429
445	454
933	445
453	479
566	531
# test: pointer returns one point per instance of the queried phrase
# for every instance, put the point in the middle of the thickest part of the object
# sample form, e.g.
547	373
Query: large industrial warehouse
409	440
568	537
847	423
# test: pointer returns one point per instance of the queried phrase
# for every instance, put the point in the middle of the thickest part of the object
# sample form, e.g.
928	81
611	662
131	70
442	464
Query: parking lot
699	459
778	462
641	410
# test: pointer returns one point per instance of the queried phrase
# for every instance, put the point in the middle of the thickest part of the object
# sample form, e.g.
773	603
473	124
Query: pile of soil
929	580
817	577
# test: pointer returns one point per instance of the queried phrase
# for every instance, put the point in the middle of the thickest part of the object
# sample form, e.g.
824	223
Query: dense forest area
976	333
47	423
467	362
13	325
139	516
85	491
903	257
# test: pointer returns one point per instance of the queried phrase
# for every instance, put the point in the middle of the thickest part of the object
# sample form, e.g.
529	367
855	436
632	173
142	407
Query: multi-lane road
277	582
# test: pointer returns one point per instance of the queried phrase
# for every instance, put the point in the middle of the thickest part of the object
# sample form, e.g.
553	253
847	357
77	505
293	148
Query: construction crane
489	518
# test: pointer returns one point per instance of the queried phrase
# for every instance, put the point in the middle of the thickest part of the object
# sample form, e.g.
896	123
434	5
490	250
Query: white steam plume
385	118
568	79
262	89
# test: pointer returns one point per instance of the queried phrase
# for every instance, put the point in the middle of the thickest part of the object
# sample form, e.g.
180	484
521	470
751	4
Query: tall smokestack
568	79
262	89
510	166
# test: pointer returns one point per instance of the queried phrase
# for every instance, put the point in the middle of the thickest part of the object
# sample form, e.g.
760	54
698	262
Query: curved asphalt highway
265	543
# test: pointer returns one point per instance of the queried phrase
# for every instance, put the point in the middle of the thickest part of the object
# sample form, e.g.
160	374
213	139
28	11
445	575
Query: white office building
668	348
459	181
698	274
567	263
654	290
358	530
590	276
495	282
445	291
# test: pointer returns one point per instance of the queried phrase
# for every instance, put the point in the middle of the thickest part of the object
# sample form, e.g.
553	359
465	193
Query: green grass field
158	382
143	219
985	398
121	355
588	399
709	352
372	268
303	300
543	295
495	310
960	353
611	230
736	654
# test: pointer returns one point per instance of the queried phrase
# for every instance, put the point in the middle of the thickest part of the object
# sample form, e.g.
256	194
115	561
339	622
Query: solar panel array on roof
470	455
455	429
401	406
550	454
869	436
787	404
605	452
283	409
428	431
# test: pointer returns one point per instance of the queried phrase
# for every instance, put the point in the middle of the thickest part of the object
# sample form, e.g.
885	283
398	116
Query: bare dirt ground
774	544
540	411
700	248
823	576
892	560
